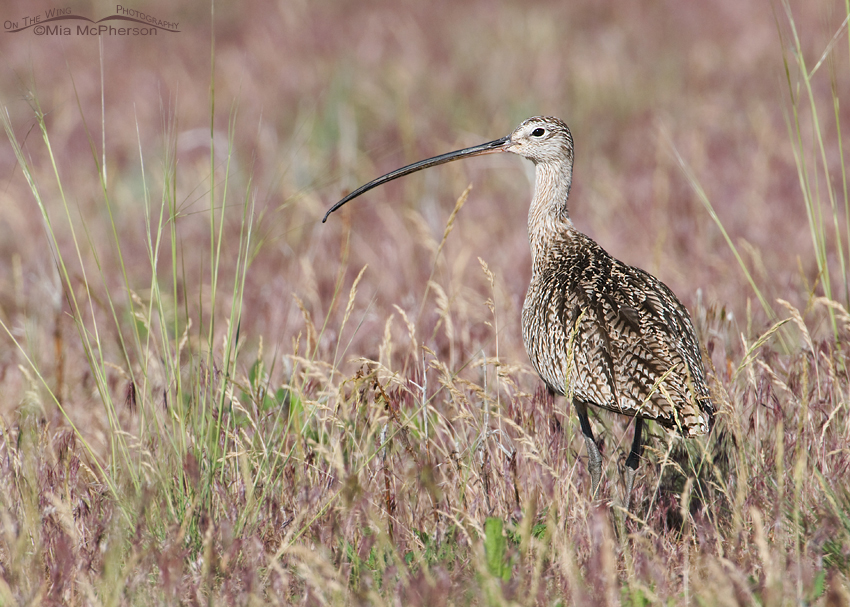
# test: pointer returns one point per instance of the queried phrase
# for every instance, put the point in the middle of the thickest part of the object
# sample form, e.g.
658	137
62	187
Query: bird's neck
548	216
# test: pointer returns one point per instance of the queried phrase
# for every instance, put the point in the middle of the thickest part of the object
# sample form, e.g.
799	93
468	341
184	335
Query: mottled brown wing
633	345
669	352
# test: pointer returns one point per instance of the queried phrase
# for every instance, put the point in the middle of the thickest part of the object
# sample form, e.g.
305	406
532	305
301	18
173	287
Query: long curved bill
491	147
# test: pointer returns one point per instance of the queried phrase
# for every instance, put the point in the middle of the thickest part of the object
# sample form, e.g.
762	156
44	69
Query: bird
598	331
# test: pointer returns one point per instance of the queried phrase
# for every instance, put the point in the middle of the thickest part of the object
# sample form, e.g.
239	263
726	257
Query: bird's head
543	140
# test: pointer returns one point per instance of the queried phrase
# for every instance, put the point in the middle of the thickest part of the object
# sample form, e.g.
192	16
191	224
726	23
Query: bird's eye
538	132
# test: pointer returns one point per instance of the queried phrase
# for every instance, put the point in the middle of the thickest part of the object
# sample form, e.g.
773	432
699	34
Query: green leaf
819	584
495	546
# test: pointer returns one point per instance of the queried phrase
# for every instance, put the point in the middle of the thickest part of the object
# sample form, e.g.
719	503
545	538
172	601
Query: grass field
209	397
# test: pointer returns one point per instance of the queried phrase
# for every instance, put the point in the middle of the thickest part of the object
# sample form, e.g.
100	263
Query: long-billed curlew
596	330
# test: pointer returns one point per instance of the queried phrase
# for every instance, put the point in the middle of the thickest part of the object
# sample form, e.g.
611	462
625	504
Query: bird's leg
594	458
633	461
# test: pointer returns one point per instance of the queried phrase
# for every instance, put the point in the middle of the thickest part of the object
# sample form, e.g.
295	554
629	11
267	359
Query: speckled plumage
613	336
598	331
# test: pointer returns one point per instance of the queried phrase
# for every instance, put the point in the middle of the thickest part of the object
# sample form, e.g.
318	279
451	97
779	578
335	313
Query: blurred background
318	97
